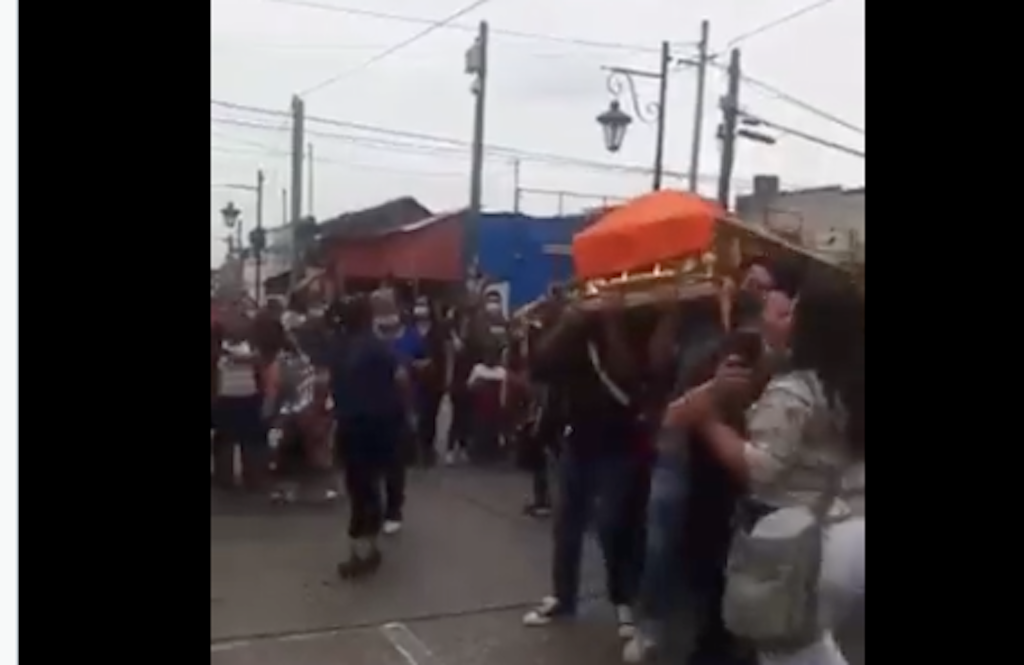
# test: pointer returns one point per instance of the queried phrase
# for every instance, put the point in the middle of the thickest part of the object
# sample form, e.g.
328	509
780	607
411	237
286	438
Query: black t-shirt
598	420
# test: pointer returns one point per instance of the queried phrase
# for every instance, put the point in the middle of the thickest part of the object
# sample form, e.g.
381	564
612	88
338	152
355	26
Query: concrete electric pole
698	118
259	240
730	106
298	142
476	65
309	184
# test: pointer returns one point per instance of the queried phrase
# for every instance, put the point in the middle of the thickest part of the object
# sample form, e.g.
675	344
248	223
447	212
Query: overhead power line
795	101
396	47
419	20
782	20
436	141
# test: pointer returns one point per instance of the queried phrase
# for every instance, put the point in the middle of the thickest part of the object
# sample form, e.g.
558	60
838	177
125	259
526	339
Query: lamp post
614	121
231	215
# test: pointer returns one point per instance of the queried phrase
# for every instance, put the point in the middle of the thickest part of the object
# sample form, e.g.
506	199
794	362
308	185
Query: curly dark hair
828	339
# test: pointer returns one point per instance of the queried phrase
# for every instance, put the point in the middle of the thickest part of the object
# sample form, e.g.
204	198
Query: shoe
627	625
537	510
357	566
639	649
450	458
391	527
549	609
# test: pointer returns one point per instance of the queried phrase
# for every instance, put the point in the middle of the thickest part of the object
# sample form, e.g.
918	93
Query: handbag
772	584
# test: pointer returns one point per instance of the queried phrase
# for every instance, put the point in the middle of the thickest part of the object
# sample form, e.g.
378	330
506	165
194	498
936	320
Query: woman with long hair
802	454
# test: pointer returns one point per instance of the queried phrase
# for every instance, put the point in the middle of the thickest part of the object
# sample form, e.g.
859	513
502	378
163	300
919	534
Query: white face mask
493	308
386	321
421	311
316	313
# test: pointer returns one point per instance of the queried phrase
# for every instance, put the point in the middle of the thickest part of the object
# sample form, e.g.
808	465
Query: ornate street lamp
231	216
614	122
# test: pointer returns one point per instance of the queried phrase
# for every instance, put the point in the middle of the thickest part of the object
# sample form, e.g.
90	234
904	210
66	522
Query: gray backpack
772	584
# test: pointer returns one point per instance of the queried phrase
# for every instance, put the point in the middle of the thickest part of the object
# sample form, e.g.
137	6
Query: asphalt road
452	590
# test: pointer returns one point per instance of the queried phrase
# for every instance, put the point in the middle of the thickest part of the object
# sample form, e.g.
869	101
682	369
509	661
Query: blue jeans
595	485
662	588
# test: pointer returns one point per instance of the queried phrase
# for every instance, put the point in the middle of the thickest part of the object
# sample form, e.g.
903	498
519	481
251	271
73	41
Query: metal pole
259	227
730	117
515	185
284	206
659	148
476	178
298	129
698	117
309	191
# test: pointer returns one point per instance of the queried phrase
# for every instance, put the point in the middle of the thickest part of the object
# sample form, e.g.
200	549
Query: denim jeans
595	485
661	587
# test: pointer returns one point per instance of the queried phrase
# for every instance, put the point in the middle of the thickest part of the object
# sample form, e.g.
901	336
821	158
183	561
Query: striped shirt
237	377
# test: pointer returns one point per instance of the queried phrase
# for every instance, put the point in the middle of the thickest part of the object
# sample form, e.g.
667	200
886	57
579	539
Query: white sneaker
546	612
449	458
627	626
391	527
638	649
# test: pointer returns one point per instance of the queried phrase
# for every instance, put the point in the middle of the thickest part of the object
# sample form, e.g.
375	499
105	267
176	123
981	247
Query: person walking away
590	362
429	376
800	458
370	389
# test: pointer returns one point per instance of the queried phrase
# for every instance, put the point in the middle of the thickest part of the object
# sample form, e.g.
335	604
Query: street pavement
453	587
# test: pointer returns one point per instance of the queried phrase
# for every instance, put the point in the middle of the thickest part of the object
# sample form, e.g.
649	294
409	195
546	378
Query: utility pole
259	241
309	190
515	185
298	141
730	105
698	118
476	65
284	206
659	149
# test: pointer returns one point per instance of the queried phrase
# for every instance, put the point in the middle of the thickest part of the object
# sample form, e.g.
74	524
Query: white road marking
408	645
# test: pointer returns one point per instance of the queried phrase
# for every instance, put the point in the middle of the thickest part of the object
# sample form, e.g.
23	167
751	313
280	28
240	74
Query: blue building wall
511	249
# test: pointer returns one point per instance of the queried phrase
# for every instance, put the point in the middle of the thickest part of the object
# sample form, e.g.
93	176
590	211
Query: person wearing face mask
429	375
387	325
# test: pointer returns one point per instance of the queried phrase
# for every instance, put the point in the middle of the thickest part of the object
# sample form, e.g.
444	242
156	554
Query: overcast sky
543	97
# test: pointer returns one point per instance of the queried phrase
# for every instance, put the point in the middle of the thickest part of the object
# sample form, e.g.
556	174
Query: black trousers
462	419
371	450
428	407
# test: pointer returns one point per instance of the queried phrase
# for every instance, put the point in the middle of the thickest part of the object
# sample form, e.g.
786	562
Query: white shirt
482	372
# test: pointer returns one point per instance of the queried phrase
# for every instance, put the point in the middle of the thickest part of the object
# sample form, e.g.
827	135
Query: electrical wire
440	141
476	4
518	34
782	20
794	101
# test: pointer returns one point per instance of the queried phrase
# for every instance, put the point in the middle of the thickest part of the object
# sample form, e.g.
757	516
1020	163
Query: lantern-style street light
231	216
614	123
614	120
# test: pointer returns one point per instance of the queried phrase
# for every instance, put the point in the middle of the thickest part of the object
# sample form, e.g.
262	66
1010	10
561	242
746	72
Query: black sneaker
356	566
549	609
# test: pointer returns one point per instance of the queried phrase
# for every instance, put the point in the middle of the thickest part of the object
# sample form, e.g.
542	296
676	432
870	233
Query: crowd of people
715	446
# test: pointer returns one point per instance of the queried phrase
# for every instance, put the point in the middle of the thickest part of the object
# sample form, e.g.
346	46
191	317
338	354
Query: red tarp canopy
430	249
647	230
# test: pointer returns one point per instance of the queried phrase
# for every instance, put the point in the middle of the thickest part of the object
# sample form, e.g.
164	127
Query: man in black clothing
590	363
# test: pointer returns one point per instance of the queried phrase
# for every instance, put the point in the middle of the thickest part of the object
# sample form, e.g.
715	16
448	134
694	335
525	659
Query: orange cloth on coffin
649	229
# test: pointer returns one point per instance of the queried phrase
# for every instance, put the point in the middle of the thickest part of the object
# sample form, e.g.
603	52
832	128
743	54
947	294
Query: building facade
829	220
